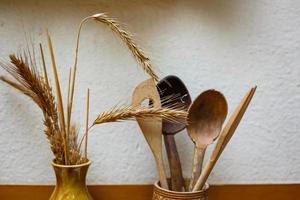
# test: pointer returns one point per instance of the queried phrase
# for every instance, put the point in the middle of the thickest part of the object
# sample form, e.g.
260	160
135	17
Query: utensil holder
163	194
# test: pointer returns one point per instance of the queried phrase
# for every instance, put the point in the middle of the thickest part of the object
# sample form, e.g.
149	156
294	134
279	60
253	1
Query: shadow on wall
144	17
145	14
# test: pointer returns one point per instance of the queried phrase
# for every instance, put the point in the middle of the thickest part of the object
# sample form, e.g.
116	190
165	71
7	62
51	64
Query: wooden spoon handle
225	136
174	164
161	172
197	165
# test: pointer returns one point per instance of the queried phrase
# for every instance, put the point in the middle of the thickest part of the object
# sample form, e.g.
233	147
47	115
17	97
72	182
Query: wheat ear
137	52
127	38
129	113
21	88
32	84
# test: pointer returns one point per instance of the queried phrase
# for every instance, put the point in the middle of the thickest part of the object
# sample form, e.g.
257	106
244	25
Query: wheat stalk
87	123
68	114
127	38
174	114
137	52
62	136
32	84
44	65
129	113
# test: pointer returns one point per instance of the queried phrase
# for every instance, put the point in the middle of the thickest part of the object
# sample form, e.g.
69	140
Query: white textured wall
228	45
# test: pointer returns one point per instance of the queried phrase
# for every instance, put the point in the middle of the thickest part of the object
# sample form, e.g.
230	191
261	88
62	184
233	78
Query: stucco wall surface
228	45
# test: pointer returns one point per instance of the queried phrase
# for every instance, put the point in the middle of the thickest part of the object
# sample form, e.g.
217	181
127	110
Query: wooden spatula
224	138
151	128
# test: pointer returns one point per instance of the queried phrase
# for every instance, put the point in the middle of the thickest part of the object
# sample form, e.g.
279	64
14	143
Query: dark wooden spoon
173	92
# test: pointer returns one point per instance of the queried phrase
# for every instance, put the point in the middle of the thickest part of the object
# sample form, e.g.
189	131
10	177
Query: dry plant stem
73	79
71	96
69	89
44	65
127	113
59	99
68	104
137	52
83	137
87	123
224	138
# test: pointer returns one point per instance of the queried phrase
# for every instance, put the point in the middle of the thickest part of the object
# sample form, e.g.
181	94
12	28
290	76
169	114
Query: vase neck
71	175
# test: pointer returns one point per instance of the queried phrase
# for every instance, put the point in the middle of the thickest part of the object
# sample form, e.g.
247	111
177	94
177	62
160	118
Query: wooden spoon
206	116
151	128
173	92
225	136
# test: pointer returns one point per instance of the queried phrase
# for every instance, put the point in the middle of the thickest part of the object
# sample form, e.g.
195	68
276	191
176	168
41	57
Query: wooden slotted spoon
151	127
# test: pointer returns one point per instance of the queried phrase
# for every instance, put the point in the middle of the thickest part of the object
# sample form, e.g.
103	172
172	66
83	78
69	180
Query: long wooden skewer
225	136
87	123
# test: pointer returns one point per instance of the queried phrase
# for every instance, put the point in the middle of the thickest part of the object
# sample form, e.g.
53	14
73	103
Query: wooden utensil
151	128
225	136
206	116
173	92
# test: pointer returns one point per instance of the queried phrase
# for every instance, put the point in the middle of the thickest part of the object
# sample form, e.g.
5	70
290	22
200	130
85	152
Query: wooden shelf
144	192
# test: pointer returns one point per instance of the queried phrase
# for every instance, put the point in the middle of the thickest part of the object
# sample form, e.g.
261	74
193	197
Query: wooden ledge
144	192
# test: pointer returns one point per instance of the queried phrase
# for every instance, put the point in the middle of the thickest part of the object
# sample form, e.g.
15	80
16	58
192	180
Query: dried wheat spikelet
129	113
31	83
127	38
21	88
75	156
115	26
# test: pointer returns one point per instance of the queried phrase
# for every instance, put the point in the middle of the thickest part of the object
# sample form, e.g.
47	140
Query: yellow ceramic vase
70	182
